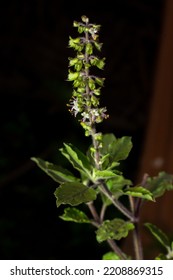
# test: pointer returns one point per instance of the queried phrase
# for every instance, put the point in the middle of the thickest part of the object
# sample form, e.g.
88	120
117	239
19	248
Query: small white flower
75	109
85	116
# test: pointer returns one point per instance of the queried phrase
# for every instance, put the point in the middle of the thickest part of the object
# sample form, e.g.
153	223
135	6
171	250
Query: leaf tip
33	159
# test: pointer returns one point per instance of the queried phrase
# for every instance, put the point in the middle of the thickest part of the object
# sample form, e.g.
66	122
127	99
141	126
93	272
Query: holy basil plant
99	176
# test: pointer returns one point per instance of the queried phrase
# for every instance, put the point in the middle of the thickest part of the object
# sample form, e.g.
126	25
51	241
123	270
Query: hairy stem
102	212
116	249
116	203
93	212
92	124
136	234
137	242
97	220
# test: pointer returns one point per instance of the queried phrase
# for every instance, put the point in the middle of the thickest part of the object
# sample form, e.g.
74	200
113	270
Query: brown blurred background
137	43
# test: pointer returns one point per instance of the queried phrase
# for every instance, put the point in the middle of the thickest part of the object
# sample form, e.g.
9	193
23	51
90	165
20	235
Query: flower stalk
87	87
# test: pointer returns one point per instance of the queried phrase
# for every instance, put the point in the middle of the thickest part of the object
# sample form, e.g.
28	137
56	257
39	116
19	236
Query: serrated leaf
120	148
115	185
74	194
114	229
158	185
110	256
107	139
77	159
57	173
74	215
159	235
103	174
117	148
139	192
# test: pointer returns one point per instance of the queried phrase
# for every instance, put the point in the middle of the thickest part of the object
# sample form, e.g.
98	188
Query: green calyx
86	87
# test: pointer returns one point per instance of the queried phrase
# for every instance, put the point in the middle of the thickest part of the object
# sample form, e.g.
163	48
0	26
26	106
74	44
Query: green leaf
74	194
77	159
114	229
115	185
117	148
110	256
74	215
108	139
121	148
159	235
158	185
57	173
139	192
103	174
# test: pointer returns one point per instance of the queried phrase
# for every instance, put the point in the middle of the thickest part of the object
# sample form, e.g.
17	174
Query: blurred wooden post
157	154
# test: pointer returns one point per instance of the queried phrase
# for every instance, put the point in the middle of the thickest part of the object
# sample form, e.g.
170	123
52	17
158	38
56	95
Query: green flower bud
73	76
85	19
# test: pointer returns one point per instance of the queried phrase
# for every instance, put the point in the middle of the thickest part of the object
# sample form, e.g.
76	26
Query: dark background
35	120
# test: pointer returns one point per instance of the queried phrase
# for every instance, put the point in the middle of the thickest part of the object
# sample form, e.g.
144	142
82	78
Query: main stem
92	124
136	234
117	203
103	188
